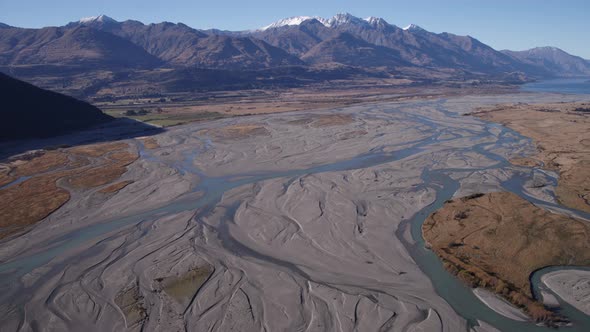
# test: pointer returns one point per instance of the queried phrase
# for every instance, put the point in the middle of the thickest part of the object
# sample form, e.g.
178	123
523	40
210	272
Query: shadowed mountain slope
82	46
349	50
181	45
31	112
99	53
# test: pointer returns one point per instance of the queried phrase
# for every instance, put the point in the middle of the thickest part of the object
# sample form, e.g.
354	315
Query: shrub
461	215
473	196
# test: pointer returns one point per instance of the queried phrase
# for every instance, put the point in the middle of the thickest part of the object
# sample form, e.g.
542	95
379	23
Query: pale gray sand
573	286
500	305
294	229
549	300
484	327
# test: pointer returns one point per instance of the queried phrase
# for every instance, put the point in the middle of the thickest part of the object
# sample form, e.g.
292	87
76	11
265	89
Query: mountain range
181	45
414	45
344	41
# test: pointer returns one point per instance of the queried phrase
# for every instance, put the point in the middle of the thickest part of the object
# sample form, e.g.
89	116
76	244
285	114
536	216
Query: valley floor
293	221
180	108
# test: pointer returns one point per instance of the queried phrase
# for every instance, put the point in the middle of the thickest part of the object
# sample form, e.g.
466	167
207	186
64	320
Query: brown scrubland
150	143
497	240
43	191
236	131
561	132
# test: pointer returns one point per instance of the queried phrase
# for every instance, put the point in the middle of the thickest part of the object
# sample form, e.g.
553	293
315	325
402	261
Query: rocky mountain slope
556	61
350	50
413	44
181	45
82	46
112	51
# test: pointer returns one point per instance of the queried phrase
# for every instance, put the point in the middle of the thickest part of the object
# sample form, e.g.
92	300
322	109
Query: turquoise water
15	182
447	286
562	85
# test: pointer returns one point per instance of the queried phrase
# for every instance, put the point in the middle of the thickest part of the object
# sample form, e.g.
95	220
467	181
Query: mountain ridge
178	44
71	46
555	59
414	44
299	34
84	56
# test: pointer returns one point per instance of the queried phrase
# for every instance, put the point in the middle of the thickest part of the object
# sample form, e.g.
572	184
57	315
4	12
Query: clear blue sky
513	24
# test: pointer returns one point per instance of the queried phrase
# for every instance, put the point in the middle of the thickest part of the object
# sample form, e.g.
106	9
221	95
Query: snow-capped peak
548	48
372	19
343	18
375	21
295	20
100	19
413	27
335	21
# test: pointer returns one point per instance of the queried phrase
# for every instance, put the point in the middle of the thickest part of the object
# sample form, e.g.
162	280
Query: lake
561	85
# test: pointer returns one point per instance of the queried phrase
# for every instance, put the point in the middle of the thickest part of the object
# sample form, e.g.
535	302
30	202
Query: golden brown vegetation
97	150
114	166
23	204
28	202
562	134
5	178
236	131
150	143
332	120
40	162
192	106
497	240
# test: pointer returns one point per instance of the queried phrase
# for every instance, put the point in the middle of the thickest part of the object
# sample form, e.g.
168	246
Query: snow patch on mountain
374	20
547	48
335	21
413	27
295	20
344	18
100	18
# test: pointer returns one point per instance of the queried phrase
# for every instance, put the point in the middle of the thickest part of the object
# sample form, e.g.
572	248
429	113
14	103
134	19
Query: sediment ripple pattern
285	222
